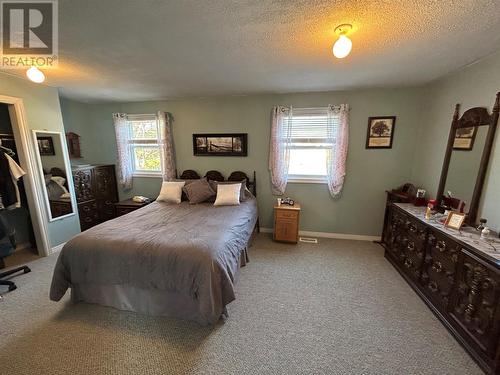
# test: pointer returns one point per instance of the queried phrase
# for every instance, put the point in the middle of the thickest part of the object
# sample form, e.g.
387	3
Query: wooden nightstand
126	206
286	223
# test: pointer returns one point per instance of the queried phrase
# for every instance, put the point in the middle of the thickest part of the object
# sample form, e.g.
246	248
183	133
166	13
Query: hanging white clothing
16	172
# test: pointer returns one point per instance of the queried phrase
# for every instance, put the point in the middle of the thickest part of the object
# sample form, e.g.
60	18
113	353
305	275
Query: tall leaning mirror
55	172
466	159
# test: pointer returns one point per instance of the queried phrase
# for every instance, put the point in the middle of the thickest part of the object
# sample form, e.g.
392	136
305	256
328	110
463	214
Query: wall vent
308	240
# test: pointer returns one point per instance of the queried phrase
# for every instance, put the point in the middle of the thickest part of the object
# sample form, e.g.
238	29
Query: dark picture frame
380	132
464	138
46	146
220	144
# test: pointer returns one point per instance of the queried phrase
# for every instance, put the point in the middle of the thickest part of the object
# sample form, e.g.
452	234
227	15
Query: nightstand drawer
120	211
287	214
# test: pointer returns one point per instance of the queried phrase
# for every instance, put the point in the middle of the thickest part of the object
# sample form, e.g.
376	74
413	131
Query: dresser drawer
89	214
287	214
439	271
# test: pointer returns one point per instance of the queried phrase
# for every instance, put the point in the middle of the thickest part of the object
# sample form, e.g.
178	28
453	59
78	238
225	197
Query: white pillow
228	195
60	181
171	191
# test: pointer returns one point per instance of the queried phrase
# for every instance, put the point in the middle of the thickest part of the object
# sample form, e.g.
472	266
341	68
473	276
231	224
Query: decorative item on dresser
455	272
73	141
129	205
286	222
96	194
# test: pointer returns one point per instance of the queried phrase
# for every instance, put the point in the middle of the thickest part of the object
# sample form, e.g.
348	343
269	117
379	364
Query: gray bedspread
192	250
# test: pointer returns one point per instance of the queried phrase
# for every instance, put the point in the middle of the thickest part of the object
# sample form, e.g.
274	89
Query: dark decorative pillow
187	182
198	191
243	195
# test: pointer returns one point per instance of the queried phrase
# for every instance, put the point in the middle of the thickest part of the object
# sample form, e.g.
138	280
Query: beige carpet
333	308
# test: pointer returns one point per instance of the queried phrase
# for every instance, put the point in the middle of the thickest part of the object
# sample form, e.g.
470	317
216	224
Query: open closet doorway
16	227
23	224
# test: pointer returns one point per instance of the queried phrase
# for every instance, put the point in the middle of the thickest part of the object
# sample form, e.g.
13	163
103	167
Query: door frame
27	158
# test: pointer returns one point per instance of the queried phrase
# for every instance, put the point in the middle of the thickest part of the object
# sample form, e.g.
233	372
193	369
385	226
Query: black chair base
10	284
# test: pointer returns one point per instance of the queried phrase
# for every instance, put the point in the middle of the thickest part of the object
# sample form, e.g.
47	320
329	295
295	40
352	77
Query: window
145	145
310	134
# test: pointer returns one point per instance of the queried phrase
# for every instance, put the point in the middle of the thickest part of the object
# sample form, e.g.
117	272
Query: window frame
153	143
310	178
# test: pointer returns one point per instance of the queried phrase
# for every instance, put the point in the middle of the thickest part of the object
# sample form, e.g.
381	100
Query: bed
176	260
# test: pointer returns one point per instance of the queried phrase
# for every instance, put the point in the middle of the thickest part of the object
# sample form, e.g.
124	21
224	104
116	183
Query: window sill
307	181
148	175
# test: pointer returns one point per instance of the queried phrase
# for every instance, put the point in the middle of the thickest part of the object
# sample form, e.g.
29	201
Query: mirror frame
67	166
473	117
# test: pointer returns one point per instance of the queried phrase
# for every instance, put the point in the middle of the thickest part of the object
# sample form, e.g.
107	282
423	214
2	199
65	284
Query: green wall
473	86
369	172
43	112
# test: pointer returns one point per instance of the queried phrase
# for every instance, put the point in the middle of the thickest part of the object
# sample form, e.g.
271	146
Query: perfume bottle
480	227
485	233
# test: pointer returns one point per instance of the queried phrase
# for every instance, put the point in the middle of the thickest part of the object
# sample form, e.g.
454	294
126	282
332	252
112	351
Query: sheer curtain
122	142
338	139
167	145
279	152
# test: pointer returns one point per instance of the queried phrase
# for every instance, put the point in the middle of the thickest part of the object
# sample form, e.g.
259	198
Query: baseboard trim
57	248
22	246
340	236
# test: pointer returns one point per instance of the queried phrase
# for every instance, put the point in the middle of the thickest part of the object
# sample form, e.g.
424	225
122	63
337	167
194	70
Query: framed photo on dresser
380	132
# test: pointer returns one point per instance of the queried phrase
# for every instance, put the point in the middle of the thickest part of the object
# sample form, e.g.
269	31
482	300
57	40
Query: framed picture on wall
227	144
464	138
380	132
46	146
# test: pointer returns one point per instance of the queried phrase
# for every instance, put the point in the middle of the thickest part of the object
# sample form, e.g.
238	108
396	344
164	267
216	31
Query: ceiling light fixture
35	74
343	45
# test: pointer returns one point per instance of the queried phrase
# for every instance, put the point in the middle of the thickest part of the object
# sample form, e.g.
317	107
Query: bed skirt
151	301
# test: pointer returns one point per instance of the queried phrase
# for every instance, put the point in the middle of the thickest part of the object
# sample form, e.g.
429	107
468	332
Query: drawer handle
433	286
408	263
411	246
88	219
441	246
413	228
437	266
86	208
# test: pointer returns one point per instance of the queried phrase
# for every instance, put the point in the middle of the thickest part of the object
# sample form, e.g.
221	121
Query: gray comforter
186	249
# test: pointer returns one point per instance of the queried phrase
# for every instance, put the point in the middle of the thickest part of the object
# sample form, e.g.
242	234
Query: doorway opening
16	224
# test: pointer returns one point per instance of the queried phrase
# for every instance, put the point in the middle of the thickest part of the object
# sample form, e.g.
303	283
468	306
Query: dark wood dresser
96	194
456	274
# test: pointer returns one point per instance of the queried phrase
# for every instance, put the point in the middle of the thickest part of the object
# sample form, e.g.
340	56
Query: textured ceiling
142	50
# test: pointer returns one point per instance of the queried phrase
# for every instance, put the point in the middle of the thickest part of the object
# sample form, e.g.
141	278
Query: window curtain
167	145
122	141
338	139
279	152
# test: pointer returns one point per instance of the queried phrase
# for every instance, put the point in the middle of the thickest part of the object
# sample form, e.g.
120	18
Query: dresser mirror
466	160
54	170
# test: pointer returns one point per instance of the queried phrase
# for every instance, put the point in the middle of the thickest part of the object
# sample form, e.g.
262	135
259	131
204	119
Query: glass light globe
35	74
342	47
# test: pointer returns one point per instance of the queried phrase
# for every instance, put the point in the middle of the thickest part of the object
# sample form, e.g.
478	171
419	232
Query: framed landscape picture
226	144
380	132
464	138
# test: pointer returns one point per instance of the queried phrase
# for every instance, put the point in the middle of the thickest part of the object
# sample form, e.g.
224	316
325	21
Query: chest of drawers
458	280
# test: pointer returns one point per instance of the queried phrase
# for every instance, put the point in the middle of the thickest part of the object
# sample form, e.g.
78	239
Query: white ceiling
130	50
